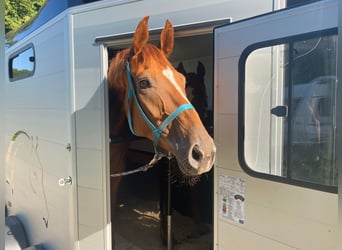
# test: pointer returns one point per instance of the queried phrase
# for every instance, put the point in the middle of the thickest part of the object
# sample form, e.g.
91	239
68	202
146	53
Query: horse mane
117	93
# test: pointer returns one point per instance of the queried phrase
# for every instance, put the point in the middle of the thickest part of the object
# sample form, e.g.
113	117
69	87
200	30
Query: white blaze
169	75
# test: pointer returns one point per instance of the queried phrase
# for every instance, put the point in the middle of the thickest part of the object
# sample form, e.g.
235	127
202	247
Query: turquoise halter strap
156	130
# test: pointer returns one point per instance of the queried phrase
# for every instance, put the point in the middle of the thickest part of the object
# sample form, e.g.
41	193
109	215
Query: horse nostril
197	153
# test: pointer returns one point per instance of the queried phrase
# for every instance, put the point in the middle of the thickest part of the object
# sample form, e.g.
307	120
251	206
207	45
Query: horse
147	99
195	89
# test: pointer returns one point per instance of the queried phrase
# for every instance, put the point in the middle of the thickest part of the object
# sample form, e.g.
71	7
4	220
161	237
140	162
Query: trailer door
275	128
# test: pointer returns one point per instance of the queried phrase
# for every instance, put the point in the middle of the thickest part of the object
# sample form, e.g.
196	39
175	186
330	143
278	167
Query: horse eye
144	84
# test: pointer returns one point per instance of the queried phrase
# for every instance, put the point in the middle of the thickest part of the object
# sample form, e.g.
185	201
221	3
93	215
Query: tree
18	12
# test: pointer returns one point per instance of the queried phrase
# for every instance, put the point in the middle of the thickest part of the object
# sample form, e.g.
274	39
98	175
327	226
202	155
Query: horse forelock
150	55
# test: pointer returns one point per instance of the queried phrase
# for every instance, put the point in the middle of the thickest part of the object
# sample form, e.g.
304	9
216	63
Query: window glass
289	109
22	64
294	3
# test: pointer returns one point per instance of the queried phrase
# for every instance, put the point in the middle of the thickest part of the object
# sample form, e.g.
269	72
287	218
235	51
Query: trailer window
22	64
288	110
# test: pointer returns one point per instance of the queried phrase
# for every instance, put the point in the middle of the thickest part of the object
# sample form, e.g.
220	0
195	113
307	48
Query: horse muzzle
199	158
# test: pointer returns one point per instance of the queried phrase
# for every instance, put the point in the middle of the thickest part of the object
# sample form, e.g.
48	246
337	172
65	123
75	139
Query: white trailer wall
38	109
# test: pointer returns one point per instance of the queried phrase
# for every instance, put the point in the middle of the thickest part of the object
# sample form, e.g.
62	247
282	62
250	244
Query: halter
155	130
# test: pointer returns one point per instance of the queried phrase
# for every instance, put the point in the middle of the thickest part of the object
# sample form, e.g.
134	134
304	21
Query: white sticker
232	198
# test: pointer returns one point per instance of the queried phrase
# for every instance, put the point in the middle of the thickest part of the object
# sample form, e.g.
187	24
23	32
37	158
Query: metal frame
339	121
241	127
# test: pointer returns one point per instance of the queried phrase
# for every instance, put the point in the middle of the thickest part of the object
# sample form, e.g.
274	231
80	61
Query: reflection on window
289	110
22	64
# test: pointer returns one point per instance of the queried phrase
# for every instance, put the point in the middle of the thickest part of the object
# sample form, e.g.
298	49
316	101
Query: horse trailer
270	69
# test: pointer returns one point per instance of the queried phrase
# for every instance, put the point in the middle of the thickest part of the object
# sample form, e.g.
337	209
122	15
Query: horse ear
181	68
141	35
200	69
167	38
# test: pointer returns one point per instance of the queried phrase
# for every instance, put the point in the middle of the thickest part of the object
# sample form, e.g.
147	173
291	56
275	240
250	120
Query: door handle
280	111
65	181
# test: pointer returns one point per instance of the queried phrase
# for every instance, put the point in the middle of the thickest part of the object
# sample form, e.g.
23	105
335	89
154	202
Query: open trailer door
275	128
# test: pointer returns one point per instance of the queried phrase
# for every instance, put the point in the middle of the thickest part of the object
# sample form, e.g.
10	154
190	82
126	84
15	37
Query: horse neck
117	116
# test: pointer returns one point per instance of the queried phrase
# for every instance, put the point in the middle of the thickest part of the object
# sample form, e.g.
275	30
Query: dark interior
146	193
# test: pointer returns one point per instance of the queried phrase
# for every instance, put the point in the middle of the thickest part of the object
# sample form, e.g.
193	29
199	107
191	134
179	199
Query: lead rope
157	157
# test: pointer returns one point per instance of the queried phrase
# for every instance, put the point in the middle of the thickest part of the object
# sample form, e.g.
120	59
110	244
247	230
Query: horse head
195	88
151	93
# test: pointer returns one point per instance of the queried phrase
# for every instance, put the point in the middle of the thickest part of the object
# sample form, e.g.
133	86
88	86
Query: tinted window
289	109
22	64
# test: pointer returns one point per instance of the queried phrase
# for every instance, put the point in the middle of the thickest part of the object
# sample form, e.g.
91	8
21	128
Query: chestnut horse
147	98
